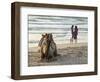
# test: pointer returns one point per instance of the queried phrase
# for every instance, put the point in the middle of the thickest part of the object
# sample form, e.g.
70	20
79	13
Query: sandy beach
70	54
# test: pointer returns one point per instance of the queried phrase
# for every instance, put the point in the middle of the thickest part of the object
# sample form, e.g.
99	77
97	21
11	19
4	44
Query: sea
59	26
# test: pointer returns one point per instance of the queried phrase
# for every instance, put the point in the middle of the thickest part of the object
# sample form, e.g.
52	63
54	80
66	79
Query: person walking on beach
72	30
75	33
71	39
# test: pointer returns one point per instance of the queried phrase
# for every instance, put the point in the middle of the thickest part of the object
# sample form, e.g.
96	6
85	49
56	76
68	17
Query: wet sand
69	54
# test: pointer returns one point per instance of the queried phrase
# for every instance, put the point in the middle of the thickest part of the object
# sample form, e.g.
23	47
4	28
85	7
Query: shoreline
60	46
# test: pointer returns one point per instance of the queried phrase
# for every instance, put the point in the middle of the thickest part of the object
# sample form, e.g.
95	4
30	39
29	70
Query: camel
48	49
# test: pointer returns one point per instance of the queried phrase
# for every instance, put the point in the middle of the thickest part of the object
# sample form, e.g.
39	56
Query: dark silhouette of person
75	33
72	31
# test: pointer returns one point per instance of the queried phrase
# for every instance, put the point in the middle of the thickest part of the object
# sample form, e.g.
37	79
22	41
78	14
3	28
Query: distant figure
72	37
75	34
72	29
